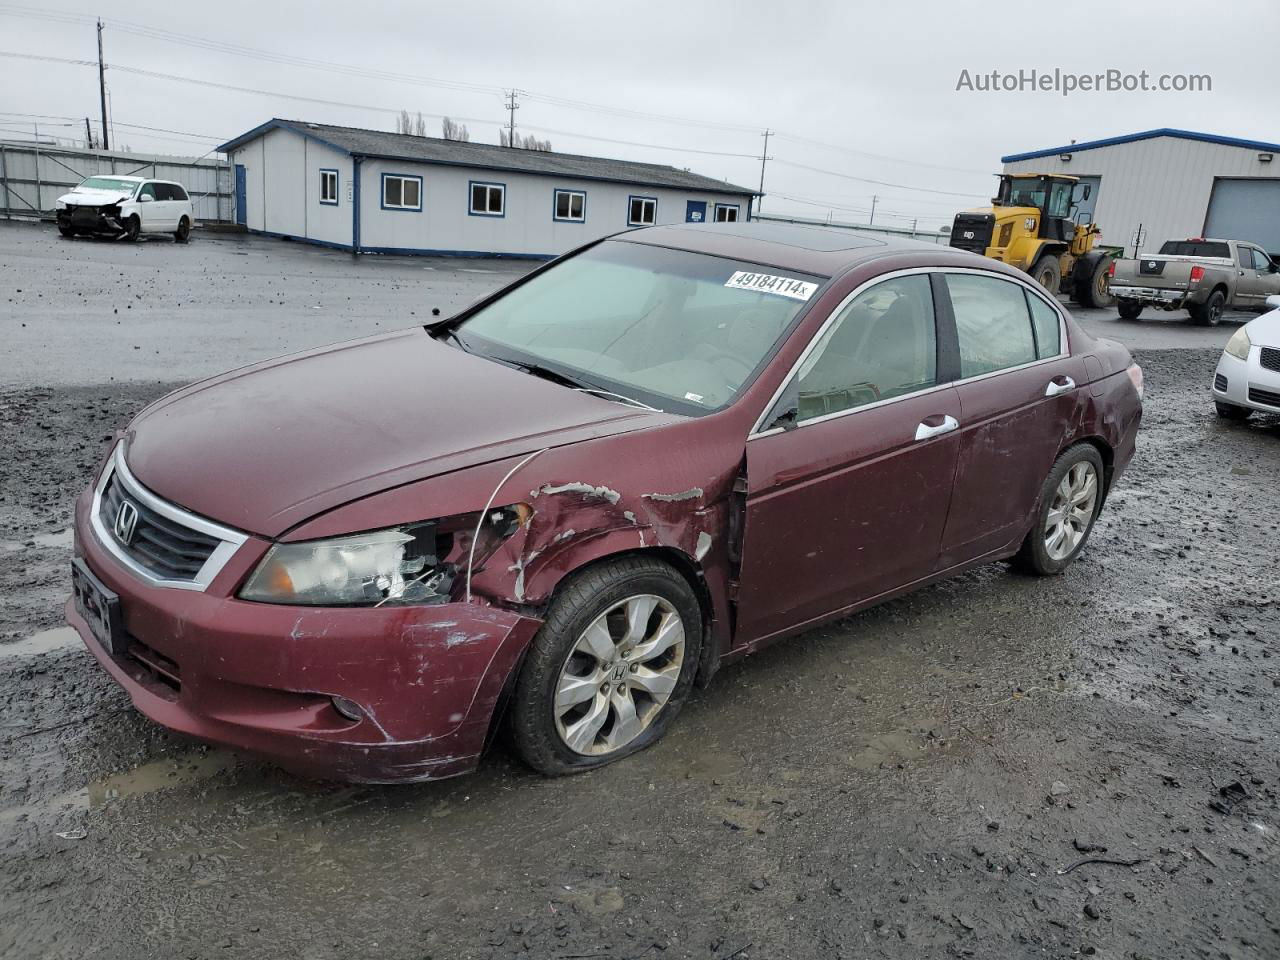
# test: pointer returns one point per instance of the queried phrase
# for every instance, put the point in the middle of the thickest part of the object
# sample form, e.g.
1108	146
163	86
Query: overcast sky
874	83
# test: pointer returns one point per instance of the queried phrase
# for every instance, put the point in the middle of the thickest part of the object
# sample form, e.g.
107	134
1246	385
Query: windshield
1027	192
1195	248
680	331
108	183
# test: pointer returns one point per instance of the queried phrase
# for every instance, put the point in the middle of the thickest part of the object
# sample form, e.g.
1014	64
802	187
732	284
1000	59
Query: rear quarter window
1044	320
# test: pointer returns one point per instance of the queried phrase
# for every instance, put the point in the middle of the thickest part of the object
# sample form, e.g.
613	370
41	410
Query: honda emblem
126	522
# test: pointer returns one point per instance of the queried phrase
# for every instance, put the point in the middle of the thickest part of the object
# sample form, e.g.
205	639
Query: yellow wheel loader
1030	226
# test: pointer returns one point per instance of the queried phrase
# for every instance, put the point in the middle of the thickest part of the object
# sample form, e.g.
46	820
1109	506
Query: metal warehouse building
1171	184
375	192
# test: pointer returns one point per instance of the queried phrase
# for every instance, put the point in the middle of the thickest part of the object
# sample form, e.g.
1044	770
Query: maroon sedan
559	509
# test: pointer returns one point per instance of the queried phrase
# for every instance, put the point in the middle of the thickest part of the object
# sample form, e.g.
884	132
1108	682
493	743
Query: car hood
94	198
1265	330
267	447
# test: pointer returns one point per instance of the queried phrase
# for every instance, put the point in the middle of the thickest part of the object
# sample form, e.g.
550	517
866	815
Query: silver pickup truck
1202	276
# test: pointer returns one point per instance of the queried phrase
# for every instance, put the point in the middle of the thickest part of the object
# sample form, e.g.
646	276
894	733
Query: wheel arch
689	569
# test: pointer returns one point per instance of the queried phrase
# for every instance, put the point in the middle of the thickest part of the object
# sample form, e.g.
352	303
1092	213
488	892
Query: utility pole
513	104
102	89
764	155
874	198
88	134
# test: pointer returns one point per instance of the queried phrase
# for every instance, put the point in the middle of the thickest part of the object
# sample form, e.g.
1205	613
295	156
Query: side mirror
1273	301
146	198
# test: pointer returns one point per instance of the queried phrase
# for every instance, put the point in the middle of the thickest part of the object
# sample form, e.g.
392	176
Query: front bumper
261	677
100	220
1247	383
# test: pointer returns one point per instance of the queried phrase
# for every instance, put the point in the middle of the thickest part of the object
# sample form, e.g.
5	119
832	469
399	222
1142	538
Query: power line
879	183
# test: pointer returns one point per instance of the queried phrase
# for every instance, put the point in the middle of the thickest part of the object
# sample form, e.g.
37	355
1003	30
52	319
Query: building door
1241	209
241	212
696	212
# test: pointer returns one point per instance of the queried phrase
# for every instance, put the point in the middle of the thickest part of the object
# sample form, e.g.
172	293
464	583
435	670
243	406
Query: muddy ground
906	783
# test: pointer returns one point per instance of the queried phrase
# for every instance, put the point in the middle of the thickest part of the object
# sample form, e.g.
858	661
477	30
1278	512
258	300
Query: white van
121	206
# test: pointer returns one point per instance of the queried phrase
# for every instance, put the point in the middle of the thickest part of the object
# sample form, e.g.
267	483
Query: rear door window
882	345
993	323
177	192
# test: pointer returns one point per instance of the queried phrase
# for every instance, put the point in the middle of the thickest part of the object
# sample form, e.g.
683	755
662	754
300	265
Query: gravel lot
910	782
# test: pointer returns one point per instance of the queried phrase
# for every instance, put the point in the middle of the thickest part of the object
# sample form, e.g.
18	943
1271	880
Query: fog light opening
348	708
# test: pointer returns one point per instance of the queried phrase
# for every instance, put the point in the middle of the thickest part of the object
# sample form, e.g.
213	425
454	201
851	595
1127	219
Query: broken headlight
416	563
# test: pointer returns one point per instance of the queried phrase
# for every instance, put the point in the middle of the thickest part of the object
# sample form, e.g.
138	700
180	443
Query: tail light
1197	274
1111	270
1135	377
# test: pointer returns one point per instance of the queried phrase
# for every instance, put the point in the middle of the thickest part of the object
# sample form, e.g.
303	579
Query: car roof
115	176
824	251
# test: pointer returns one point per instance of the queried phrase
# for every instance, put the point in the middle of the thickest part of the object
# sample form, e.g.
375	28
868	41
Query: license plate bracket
100	608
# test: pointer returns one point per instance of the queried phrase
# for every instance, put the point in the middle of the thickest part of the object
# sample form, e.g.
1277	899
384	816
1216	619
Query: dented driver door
849	480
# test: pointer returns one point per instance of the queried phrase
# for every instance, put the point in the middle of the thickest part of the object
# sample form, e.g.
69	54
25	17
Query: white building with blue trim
370	191
1167	184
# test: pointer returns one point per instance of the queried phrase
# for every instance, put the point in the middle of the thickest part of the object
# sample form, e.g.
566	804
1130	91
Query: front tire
1069	504
610	668
1209	313
183	233
132	229
1129	310
66	231
1048	273
1229	411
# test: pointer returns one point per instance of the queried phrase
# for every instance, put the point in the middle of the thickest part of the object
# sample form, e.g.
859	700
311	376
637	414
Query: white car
1248	375
119	206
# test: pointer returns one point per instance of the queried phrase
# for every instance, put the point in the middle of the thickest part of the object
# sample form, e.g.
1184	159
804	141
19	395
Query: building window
401	192
726	213
642	211
329	186
488	199
571	206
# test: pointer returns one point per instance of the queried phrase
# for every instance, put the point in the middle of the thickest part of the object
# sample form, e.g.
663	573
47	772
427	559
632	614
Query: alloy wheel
619	675
1071	511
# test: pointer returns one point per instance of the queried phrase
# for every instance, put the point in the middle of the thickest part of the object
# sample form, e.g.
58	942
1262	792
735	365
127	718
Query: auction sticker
768	283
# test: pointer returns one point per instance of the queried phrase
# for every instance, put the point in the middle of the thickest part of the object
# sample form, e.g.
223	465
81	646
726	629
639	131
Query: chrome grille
168	549
155	539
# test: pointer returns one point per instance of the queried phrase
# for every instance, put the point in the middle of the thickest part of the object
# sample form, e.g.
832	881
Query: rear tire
1048	273
573	711
1090	281
1070	501
183	233
1209	313
1129	311
1229	411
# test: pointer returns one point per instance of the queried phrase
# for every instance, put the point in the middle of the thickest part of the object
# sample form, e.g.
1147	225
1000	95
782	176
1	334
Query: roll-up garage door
1246	210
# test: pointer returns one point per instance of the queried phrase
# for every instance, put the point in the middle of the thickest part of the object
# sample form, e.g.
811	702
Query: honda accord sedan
558	510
